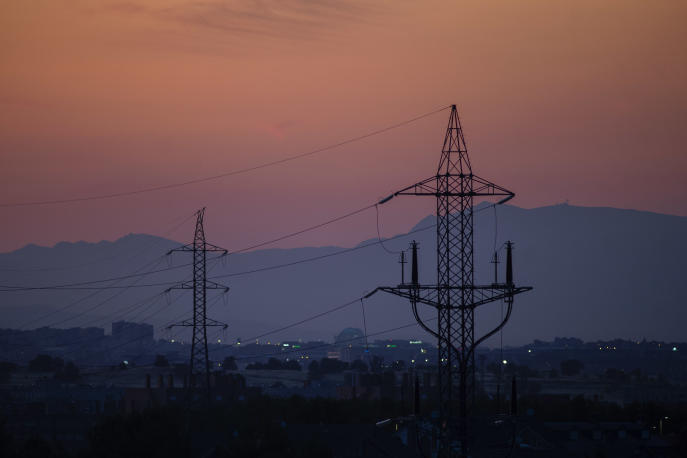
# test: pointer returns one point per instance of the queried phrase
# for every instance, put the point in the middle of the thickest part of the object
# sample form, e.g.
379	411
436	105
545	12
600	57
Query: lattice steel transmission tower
199	365
455	295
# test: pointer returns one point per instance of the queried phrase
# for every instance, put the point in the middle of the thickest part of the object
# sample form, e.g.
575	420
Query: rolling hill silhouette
598	273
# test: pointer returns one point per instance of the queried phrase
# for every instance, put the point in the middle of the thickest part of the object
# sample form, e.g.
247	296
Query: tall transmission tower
455	295
199	365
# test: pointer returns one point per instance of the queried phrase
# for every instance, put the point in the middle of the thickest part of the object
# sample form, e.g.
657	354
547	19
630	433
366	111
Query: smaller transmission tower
199	365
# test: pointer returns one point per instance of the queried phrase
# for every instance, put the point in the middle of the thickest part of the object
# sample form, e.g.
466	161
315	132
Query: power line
98	261
299	350
150	301
159	328
323	345
248	248
336	253
123	289
222	175
77	285
307	229
379	234
119	345
316	258
305	320
78	301
137	255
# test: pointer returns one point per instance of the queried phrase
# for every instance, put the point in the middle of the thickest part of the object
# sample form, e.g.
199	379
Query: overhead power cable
323	345
305	320
299	350
80	300
316	258
379	235
83	285
302	231
225	174
136	274
135	339
139	253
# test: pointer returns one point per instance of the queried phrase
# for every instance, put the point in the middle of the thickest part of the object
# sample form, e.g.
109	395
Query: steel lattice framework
199	365
455	296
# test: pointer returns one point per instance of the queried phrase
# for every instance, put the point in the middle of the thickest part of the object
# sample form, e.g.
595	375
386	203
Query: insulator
415	279
509	263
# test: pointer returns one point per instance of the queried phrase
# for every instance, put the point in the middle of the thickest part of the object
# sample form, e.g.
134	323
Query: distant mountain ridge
598	273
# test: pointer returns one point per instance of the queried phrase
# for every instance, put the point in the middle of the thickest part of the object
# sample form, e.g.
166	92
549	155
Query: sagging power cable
225	174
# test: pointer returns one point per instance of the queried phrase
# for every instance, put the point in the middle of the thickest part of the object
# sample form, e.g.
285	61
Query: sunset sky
584	101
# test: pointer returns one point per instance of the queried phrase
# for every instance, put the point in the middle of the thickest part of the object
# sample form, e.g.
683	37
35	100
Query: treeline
262	427
66	372
258	427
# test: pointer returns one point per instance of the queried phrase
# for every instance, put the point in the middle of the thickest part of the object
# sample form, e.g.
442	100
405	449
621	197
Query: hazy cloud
293	19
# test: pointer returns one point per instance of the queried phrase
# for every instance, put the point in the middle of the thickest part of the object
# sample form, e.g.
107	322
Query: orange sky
583	101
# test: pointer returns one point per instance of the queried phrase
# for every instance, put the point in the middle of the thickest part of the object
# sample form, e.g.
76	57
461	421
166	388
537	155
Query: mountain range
597	273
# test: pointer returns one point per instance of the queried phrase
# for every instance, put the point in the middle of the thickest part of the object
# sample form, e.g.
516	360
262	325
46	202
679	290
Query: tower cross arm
188	247
419	294
208	285
207	247
482	187
426	187
496	292
428	294
212	285
431	187
215	248
208	322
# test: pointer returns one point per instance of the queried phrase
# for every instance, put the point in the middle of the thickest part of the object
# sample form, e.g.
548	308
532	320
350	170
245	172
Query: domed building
350	336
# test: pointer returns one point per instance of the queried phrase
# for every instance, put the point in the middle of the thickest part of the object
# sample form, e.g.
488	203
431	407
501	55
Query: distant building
350	336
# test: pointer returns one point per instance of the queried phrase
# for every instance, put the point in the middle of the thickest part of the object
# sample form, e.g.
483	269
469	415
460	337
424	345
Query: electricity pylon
455	296
199	365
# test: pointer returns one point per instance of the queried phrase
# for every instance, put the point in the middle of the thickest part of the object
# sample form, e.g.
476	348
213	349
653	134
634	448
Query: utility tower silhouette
199	365
455	296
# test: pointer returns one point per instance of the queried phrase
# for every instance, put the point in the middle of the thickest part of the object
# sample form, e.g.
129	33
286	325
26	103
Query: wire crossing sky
225	174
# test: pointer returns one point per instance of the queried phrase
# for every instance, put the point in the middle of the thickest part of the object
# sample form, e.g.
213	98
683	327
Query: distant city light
126	362
505	361
426	360
415	342
674	348
219	340
285	345
172	340
529	351
412	361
